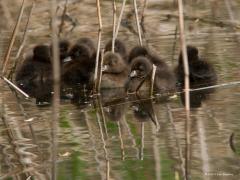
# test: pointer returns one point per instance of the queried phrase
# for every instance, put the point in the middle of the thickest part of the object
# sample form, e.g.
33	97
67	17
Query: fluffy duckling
141	68
118	48
81	67
201	73
138	51
115	71
35	70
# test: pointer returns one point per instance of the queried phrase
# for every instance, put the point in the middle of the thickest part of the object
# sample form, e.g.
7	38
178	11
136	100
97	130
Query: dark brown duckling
138	51
119	48
35	70
115	71
201	73
79	71
141	68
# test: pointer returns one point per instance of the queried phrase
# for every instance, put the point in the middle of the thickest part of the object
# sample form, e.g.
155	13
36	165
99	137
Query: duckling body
35	70
80	69
115	71
119	47
201	73
141	68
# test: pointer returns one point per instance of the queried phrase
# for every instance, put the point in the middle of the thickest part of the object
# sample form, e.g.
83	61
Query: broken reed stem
13	37
154	68
120	19
23	41
114	24
56	87
100	72
137	21
15	87
62	19
95	90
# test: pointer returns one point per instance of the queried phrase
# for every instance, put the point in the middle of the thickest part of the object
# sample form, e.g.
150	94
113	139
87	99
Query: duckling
141	68
80	69
35	70
118	48
115	71
138	51
201	73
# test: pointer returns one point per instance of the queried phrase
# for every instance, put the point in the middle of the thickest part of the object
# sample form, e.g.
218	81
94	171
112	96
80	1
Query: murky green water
128	138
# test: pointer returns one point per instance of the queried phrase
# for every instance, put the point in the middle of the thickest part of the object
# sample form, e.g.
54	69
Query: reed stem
154	68
56	87
114	24
137	21
96	78
120	19
13	37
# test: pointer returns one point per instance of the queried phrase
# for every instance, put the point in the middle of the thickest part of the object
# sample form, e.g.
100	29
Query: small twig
15	87
137	21
120	19
13	37
23	41
98	46
154	68
62	19
114	24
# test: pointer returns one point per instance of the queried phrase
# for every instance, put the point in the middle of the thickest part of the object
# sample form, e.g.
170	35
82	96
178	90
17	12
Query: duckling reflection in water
201	74
119	47
115	71
141	68
79	71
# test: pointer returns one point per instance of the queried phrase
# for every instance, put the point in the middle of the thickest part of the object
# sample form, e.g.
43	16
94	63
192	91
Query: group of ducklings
120	69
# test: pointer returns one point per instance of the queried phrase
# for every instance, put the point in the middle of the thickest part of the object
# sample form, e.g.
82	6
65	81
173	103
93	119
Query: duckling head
138	51
80	52
140	67
192	53
113	63
87	42
119	47
41	53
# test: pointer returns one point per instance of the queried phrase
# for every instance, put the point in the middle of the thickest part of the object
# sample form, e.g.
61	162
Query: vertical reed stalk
120	19
100	72
121	140
13	37
137	21
23	40
154	68
184	53
95	90
186	82
114	24
56	87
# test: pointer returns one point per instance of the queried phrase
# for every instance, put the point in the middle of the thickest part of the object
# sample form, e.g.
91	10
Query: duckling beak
67	59
133	74
105	68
